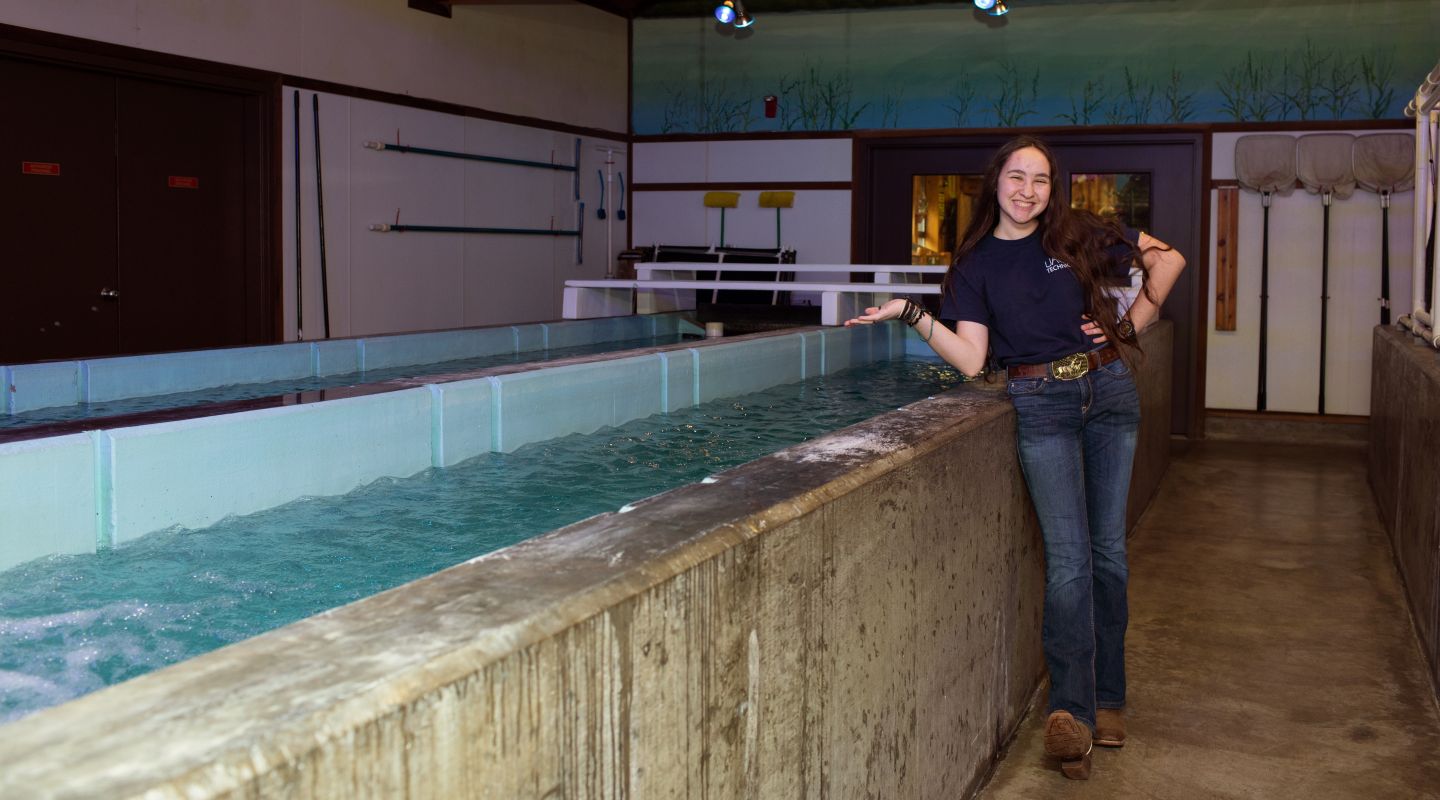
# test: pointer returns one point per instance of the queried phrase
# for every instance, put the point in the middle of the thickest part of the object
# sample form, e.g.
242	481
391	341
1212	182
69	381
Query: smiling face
1023	192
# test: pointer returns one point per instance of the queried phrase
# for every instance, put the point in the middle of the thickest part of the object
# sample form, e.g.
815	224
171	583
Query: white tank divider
437	425
82	381
33	386
529	338
497	428
467	419
64	383
677	387
76	493
104	467
195	472
664	382
337	357
107	379
749	366
49	498
579	398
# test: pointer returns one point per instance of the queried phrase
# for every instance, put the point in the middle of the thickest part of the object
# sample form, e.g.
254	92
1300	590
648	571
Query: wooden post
1227	231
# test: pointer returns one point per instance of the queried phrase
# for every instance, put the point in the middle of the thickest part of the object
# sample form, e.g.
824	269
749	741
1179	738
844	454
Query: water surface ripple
73	624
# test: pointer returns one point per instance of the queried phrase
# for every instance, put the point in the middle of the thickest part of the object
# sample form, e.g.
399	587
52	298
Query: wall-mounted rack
384	227
427	151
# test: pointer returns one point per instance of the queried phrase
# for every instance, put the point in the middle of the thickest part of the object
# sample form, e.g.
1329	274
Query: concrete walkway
1271	653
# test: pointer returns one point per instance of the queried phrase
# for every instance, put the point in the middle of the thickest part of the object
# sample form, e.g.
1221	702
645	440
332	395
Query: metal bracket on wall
427	151
385	227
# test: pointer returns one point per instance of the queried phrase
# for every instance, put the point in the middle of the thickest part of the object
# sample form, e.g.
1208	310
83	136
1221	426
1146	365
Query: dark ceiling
631	9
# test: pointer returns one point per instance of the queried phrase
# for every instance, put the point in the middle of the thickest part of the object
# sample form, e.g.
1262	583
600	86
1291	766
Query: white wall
1296	224
391	282
818	227
562	62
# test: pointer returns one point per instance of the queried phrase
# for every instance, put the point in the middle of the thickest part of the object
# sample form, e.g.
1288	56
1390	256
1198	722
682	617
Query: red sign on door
184	182
39	168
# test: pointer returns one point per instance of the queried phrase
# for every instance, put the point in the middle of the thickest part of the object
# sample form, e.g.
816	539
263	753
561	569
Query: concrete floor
1271	653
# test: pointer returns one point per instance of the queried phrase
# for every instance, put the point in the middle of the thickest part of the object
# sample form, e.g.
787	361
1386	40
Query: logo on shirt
1055	265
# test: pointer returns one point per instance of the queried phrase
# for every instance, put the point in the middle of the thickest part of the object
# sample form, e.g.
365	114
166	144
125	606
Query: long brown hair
1077	237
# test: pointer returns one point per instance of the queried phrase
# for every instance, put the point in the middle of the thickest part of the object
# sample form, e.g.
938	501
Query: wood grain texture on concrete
854	617
857	616
1270	649
1404	462
1153	380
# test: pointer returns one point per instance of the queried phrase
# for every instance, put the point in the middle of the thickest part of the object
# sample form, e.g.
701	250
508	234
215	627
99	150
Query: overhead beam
625	8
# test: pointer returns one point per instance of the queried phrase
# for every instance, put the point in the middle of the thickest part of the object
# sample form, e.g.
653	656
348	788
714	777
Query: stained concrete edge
1404	473
858	610
225	720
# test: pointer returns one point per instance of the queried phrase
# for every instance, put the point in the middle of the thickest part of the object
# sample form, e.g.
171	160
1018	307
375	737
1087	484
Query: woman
1028	287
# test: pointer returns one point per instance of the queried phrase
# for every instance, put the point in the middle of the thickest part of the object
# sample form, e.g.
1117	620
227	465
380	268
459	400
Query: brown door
182	257
57	227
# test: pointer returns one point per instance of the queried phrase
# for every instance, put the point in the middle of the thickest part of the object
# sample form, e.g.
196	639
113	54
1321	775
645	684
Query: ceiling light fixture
733	12
994	8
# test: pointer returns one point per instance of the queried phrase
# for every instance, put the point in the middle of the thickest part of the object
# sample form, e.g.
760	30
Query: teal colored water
73	624
248	391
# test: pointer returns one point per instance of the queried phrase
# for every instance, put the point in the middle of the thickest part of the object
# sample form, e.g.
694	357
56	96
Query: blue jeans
1077	445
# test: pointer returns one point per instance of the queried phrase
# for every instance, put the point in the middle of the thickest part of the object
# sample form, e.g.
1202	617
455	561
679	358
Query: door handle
110	294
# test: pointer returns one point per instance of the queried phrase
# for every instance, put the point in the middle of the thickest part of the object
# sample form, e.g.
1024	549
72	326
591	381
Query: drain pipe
1421	324
1422	108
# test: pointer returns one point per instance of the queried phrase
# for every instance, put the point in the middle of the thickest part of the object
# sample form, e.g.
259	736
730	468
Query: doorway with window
914	196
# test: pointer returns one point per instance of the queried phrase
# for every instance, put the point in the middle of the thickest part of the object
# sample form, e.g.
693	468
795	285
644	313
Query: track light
733	11
994	8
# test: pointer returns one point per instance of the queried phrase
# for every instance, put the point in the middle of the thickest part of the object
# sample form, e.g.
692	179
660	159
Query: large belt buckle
1070	367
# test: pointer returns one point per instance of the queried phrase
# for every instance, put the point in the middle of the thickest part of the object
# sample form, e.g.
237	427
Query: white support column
589	303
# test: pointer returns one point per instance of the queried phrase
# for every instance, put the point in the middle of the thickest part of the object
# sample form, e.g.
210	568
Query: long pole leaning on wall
320	212
1425	289
299	293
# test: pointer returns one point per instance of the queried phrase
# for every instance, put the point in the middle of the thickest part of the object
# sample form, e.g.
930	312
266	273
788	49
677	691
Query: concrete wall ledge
859	610
856	613
1404	472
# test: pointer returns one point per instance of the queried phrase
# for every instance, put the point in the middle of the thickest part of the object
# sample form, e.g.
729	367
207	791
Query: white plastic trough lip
266	363
192	503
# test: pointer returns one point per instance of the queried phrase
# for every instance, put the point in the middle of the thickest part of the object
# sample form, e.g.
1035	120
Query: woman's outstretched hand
873	314
1092	329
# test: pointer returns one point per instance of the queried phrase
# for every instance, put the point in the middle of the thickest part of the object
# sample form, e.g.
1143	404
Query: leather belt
1075	365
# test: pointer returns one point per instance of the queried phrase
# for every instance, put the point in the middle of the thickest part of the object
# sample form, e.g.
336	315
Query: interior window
1114	194
941	205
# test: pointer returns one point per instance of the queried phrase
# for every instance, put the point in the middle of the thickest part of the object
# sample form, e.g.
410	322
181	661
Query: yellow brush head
722	199
777	199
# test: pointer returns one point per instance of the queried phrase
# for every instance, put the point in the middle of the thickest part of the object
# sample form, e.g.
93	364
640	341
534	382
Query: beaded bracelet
911	313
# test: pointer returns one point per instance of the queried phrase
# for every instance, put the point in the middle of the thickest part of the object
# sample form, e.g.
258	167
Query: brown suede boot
1068	739
1110	727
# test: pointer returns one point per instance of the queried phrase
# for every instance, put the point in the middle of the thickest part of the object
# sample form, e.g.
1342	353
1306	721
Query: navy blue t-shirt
1031	302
